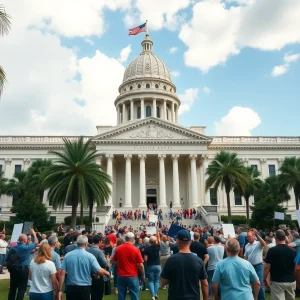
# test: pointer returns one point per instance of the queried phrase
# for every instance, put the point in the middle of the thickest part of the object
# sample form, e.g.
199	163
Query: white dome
147	65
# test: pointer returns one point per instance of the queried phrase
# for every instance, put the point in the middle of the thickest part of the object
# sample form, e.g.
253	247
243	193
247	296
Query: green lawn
145	295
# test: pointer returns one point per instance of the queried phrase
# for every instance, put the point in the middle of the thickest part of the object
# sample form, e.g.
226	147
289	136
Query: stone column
206	195
173	112
7	173
162	181
142	109
99	160
154	108
118	115
142	203
131	110
176	113
109	171
194	201
128	181
123	112
264	171
27	162
176	197
165	109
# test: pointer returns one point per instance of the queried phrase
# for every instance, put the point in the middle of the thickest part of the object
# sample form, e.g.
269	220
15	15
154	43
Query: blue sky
237	63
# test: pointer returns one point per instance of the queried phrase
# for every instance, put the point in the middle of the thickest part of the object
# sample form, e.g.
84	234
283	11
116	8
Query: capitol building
149	155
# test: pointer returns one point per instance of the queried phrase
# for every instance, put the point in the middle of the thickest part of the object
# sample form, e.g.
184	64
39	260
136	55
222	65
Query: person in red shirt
130	262
112	237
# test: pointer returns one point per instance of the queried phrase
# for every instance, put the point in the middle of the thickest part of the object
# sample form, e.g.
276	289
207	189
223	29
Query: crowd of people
243	266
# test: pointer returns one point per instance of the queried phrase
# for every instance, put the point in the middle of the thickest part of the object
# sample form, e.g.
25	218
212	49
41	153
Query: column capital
205	156
27	160
193	156
99	159
109	156
175	156
161	156
280	160
142	156
8	161
245	160
263	160
128	156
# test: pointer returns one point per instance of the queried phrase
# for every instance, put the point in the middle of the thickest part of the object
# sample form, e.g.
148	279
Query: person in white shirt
43	275
3	249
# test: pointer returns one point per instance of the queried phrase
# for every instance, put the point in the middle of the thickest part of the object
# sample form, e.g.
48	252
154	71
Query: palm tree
76	176
2	183
253	186
290	176
16	186
5	26
35	176
227	171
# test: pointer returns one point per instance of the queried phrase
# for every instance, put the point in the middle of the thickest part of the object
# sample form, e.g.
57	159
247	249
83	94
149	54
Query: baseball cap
184	235
129	235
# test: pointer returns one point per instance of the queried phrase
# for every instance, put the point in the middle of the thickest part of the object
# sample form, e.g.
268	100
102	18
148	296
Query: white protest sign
153	218
228	229
298	216
278	215
151	230
16	232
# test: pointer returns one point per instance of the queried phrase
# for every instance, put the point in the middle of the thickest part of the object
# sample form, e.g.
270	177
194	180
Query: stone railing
210	218
38	139
254	139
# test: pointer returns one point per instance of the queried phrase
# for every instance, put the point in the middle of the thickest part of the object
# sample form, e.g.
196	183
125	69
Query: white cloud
238	121
158	13
125	52
206	90
51	90
290	58
218	31
173	50
187	99
175	73
89	41
280	70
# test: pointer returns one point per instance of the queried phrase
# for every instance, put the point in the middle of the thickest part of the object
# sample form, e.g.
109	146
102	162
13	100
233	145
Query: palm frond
5	24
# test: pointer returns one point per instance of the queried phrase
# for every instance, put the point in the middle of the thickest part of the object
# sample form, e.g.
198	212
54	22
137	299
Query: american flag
138	29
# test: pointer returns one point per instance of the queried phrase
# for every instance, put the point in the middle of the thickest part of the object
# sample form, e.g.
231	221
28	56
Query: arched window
148	86
157	111
148	111
129	114
165	88
131	87
139	112
139	86
156	86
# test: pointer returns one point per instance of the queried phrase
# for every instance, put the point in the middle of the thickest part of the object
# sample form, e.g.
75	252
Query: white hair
81	240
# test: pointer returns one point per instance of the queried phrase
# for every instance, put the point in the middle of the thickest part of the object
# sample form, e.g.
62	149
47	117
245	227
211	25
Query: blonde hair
44	253
210	240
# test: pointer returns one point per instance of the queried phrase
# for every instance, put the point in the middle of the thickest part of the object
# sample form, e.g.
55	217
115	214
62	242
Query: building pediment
151	130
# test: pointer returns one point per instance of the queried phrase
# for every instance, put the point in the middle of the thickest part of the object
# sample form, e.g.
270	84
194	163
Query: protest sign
278	215
151	230
153	218
298	216
26	227
228	229
173	230
16	233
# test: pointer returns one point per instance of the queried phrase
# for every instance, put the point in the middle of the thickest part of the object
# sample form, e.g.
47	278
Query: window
272	170
0	168
156	86
53	219
254	167
147	86
18	168
237	198
151	192
157	111
213	197
124	90
139	112
129	114
139	86
165	88
131	87
148	111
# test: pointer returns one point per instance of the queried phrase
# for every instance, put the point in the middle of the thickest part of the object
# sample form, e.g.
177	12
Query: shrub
69	218
236	220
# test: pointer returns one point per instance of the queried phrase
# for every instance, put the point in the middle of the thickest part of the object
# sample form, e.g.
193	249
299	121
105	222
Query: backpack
12	261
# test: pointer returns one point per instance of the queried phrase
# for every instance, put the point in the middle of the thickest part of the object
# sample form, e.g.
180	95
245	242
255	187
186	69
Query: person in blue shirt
19	278
235	275
242	240
79	264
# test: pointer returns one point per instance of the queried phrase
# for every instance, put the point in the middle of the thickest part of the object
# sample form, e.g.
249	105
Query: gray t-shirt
56	260
216	254
164	248
297	245
253	252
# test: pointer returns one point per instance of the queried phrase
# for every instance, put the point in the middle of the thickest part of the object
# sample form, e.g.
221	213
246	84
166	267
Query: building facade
150	157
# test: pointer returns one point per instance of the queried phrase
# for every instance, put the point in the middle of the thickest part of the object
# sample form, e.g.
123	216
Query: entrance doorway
151	196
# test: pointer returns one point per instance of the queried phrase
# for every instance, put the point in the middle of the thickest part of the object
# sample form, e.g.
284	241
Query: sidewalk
4	276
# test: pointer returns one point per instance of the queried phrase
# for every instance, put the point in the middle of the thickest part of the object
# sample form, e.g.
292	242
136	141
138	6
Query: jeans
115	273
18	281
41	296
2	257
259	269
210	275
130	283
97	288
154	279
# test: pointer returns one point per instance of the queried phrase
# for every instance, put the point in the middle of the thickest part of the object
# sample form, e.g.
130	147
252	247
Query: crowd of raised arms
197	260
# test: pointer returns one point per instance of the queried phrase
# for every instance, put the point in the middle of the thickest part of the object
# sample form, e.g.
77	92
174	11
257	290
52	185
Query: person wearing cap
183	271
235	275
130	262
